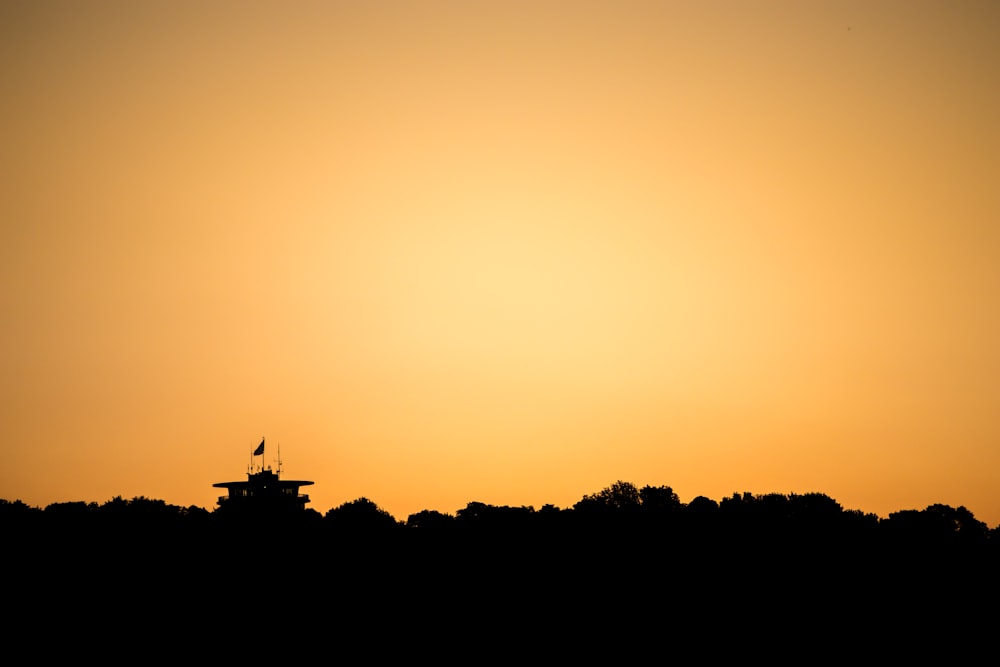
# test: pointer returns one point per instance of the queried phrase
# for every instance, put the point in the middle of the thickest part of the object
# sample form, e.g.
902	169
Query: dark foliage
623	568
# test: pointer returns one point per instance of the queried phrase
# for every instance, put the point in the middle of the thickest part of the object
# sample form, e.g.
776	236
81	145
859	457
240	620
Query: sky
508	252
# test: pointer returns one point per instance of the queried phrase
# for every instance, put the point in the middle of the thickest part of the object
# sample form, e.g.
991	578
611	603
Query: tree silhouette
659	500
620	496
360	516
430	520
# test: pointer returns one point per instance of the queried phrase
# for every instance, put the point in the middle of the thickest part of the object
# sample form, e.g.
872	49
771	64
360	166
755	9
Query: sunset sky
507	252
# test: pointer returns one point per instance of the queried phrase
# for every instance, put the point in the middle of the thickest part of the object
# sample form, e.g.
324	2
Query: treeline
629	570
621	507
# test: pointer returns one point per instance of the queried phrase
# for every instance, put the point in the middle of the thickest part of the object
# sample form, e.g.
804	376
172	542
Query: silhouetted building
264	490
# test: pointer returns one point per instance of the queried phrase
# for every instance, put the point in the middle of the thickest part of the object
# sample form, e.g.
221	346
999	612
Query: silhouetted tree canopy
937	524
429	520
659	500
361	515
619	497
650	519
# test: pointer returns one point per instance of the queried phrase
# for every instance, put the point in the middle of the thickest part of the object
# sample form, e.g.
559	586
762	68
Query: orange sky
507	252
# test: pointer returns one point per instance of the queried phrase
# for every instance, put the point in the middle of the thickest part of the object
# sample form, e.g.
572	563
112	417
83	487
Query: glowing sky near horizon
506	252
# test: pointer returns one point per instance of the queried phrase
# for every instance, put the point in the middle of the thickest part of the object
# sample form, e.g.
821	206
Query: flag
260	448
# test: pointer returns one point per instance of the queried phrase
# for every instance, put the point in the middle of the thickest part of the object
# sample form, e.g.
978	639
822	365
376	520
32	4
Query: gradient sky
506	252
